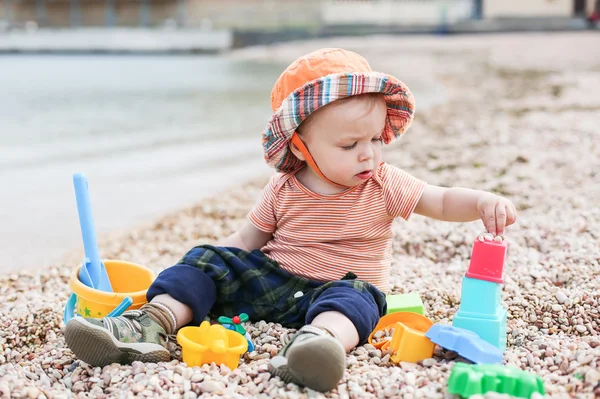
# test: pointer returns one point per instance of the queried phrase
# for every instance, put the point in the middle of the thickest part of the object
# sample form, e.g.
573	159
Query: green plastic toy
405	303
473	379
235	321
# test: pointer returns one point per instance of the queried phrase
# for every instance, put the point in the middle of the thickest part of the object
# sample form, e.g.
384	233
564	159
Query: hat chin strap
309	159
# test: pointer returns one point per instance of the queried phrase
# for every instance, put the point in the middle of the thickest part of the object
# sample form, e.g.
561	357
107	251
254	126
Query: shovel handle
125	303
86	221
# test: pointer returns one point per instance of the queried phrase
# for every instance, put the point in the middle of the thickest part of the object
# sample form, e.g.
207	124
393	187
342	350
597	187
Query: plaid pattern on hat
322	91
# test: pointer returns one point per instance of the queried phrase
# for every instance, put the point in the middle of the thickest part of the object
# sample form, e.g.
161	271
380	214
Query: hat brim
316	94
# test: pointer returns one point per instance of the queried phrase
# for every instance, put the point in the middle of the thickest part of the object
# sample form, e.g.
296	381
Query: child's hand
496	213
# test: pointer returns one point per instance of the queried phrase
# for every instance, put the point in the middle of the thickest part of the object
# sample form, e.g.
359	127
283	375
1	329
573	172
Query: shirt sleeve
401	191
262	216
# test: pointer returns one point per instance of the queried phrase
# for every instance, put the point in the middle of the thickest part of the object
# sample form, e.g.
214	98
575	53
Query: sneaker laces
131	317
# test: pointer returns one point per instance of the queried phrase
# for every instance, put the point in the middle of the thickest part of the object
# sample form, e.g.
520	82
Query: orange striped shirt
323	237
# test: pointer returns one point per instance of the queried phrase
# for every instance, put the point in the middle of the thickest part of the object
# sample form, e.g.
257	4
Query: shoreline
519	120
188	40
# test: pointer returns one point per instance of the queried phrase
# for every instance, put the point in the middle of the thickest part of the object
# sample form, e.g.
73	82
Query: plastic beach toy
487	261
409	345
481	310
235	324
471	379
235	321
410	302
93	273
130	282
211	343
409	319
464	342
409	342
101	289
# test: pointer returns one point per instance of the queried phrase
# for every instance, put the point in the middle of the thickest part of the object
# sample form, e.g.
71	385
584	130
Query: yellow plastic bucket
127	280
207	344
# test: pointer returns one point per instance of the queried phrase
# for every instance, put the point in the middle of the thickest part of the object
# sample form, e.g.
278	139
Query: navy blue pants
220	281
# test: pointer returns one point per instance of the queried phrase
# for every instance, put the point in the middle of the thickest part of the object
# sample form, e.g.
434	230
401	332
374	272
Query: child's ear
296	151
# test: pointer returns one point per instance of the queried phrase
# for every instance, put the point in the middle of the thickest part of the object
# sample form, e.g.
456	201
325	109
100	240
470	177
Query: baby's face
344	138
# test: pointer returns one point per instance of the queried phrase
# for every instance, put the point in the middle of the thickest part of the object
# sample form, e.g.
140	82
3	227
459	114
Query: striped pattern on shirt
323	237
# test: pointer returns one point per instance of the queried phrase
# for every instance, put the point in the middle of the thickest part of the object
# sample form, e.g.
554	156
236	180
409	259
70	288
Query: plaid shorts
220	281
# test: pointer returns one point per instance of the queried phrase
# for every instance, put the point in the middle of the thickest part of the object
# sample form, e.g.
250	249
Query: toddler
315	252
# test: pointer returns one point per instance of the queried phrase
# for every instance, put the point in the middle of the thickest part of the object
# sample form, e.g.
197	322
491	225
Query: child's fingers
500	212
489	218
511	214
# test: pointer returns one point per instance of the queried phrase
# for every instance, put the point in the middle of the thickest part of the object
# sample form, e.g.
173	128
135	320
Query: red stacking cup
487	261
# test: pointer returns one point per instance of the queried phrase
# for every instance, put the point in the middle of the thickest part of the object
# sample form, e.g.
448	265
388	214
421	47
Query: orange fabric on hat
313	66
308	68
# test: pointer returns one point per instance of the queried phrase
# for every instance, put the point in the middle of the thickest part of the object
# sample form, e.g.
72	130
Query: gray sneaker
312	358
132	336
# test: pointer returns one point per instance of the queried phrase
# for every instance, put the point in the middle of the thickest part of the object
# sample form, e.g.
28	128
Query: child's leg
345	313
182	313
143	334
226	281
340	325
180	294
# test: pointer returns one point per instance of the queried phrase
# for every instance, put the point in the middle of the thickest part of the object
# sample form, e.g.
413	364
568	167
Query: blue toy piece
464	342
480	297
69	311
248	338
120	308
491	328
235	324
92	272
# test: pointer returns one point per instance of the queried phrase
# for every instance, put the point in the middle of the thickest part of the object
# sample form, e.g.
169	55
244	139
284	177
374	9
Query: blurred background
146	98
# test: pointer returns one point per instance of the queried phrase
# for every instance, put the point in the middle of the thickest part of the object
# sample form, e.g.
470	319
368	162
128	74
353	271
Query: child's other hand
496	213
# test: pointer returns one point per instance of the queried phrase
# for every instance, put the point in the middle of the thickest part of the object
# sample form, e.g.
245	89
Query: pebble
212	386
556	308
592	377
560	297
580	328
33	393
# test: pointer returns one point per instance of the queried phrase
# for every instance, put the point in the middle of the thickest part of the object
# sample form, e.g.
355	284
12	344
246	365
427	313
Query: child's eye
379	139
349	147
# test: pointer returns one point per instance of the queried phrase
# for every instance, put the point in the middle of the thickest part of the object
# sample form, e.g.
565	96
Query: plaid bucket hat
317	79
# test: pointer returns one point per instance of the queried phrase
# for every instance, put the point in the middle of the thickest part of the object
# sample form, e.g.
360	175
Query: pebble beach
521	118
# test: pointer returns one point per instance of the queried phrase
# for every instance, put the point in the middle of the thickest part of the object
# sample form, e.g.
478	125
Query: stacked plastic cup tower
481	309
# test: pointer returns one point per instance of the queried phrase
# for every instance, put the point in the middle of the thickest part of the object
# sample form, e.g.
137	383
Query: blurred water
151	133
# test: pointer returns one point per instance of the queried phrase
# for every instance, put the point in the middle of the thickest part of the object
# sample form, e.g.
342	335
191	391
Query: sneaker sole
98	347
306	364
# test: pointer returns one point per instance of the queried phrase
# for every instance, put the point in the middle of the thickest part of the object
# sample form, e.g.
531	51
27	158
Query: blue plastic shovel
92	272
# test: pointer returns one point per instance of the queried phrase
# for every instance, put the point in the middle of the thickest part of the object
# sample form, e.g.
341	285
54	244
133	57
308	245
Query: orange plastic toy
409	342
409	319
409	345
211	343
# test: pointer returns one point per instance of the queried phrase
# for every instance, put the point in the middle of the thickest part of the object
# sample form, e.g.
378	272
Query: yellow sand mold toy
211	343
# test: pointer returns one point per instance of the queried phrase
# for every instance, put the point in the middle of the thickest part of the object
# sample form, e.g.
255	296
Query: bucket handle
70	308
69	311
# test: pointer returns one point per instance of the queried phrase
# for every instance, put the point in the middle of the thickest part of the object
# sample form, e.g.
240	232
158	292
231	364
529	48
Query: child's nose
367	153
